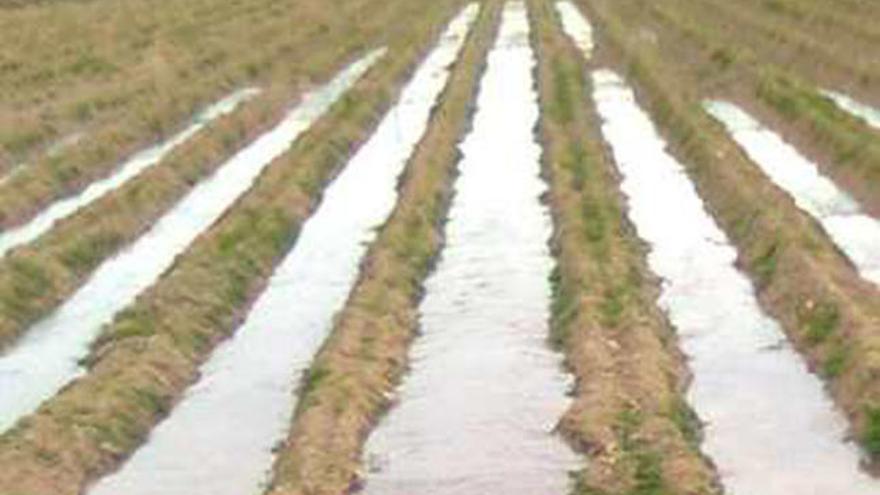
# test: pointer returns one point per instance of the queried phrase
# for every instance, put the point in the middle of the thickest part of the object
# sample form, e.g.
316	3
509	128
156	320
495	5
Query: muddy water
47	357
854	232
139	162
869	114
770	428
484	393
219	439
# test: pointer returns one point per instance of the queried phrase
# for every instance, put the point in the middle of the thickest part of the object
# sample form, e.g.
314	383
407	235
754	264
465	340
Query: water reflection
219	439
855	233
770	428
48	356
477	410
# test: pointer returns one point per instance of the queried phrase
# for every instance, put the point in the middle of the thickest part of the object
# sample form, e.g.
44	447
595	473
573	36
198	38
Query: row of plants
148	357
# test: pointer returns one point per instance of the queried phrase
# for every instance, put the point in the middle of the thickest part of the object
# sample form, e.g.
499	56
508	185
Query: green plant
871	438
821	320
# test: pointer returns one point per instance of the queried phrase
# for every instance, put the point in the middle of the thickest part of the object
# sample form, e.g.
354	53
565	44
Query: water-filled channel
477	411
131	168
770	427
219	439
854	232
867	113
48	356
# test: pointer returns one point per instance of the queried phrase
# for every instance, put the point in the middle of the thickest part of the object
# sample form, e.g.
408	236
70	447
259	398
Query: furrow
131	168
800	275
250	377
49	356
145	360
476	413
857	234
629	415
351	381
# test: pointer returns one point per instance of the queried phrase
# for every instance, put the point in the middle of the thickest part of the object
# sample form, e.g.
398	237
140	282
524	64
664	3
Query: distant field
622	247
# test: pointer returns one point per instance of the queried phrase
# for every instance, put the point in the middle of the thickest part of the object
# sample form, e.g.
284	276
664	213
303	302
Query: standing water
855	233
477	411
576	27
770	427
48	356
141	161
219	439
869	114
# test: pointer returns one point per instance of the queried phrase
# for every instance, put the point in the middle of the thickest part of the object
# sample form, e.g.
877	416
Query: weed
133	322
563	307
612	306
562	110
871	438
764	266
820	321
83	254
723	57
313	378
687	421
836	361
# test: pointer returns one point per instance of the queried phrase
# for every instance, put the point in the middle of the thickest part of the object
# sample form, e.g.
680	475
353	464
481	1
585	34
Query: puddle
219	439
46	358
477	410
855	233
770	427
43	222
867	113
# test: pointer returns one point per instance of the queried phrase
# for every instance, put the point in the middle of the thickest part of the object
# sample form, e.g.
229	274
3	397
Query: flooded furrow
576	27
854	232
477	411
43	222
48	356
770	428
867	113
220	438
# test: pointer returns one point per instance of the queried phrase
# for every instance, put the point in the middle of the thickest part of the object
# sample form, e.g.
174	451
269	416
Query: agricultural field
464	247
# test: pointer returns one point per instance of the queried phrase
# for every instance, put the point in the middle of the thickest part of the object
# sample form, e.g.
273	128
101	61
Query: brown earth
148	357
629	415
351	382
131	73
802	279
37	278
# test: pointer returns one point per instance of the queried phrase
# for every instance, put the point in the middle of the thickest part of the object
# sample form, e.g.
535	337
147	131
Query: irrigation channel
144	159
48	356
867	113
770	427
477	411
220	438
854	232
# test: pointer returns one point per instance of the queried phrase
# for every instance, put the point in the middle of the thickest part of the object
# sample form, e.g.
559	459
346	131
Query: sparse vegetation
121	75
804	265
148	356
628	415
367	349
